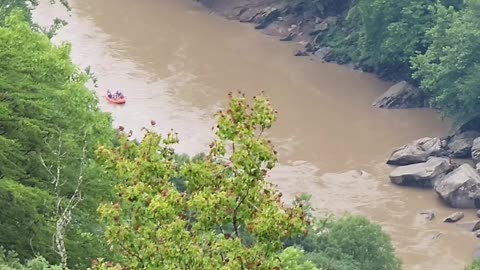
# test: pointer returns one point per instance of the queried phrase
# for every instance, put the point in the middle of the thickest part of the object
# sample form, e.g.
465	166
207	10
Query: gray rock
417	151
248	15
323	52
408	154
460	145
321	26
476	149
264	18
331	20
460	188
478	213
402	95
470	226
454	217
421	174
289	37
433	146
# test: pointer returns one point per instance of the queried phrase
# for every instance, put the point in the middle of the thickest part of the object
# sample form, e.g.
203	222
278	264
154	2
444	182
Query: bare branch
63	211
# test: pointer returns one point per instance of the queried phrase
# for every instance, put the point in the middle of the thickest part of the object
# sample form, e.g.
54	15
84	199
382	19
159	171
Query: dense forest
433	44
77	194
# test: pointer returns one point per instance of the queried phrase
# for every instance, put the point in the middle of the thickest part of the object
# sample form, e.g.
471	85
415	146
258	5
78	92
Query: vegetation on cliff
433	44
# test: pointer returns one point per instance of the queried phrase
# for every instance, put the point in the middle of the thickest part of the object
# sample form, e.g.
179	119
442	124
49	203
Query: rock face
416	152
476	149
460	145
401	96
421	174
460	188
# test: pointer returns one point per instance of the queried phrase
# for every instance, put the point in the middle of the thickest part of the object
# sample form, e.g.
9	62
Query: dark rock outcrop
460	188
460	145
402	95
472	124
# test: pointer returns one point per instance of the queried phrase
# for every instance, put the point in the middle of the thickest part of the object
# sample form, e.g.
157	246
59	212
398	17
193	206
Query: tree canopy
228	216
47	116
433	44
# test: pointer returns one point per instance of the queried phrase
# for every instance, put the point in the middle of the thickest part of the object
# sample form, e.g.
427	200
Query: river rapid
176	63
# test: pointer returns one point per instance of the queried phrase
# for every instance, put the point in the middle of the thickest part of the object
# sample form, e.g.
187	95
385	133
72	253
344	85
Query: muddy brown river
176	63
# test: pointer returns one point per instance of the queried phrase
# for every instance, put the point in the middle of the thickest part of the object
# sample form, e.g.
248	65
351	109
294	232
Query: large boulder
402	95
416	152
460	188
421	174
460	145
476	149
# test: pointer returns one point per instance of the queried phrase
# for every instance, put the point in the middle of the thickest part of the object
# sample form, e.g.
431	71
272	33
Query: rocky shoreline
289	20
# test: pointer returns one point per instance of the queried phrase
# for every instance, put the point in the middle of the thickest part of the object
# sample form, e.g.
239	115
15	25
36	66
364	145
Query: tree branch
235	211
63	212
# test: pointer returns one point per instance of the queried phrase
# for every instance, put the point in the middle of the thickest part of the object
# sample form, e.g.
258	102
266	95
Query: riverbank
290	21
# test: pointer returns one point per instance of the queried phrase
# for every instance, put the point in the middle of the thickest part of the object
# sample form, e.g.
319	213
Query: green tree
347	243
43	99
294	259
391	32
450	69
229	216
10	261
7	6
27	6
